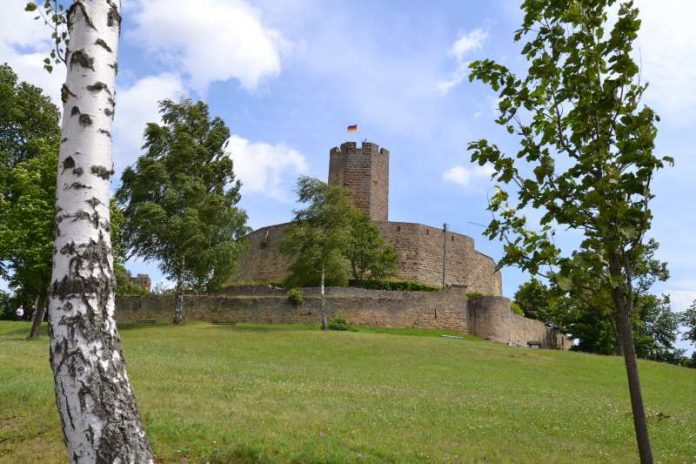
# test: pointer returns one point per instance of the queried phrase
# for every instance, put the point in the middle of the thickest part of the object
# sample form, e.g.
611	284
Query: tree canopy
331	235
29	141
180	198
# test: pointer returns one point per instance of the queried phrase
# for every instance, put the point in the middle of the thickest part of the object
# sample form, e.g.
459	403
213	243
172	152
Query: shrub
515	308
339	323
406	285
6	311
295	296
471	295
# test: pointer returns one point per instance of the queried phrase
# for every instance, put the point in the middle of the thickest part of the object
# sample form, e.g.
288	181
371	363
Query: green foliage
586	147
515	308
318	236
688	319
472	295
533	299
180	198
656	328
339	323
124	284
29	138
331	235
590	318
369	257
54	15
295	296
405	285
585	160
6	312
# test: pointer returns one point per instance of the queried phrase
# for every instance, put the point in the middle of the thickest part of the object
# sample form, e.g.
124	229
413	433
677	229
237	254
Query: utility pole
444	252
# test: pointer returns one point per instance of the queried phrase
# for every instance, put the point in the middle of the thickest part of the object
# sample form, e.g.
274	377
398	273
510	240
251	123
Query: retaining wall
486	317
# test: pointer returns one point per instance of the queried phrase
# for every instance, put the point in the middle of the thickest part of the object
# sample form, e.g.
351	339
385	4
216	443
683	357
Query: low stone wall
486	317
490	317
376	308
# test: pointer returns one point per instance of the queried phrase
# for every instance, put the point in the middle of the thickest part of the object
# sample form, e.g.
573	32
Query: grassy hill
254	393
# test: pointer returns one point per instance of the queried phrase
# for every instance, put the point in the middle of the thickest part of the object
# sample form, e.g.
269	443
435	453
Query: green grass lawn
258	394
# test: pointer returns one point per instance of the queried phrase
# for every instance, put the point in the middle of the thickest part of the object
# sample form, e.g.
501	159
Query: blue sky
288	76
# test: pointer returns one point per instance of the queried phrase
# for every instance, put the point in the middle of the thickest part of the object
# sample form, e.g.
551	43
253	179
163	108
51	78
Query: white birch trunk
324	322
94	396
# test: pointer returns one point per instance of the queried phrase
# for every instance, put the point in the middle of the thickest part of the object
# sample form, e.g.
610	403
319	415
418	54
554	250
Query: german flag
353	128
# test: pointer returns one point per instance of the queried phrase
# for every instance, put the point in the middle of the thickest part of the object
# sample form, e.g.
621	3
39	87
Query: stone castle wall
364	172
262	262
486	317
420	257
420	250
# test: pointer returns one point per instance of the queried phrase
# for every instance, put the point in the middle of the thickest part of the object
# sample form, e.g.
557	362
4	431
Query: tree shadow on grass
127	326
262	328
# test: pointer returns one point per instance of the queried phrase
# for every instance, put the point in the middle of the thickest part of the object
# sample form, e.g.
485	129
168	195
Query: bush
340	323
471	295
515	308
6	311
405	285
295	296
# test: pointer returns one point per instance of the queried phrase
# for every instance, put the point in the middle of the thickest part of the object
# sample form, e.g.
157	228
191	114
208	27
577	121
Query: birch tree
95	399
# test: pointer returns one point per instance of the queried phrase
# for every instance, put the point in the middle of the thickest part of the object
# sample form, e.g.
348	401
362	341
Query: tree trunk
38	316
640	422
95	400
324	322
179	315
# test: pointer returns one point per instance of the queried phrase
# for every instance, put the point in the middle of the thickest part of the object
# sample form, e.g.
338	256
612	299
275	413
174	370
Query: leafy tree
369	257
586	157
124	284
29	228
688	319
180	200
95	399
656	328
28	130
5	306
534	299
330	238
318	236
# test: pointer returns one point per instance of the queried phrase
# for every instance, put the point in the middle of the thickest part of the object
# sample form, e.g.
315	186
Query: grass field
266	394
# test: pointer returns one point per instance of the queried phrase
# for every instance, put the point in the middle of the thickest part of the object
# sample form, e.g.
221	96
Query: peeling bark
179	315
94	396
324	322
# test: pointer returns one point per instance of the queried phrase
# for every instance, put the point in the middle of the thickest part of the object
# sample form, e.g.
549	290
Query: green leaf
564	283
30	6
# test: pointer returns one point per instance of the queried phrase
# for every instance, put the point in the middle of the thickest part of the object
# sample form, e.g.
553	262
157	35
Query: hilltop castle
426	254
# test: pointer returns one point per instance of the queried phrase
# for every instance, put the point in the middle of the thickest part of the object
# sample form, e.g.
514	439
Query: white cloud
467	177
459	50
266	168
665	49
24	43
135	107
213	40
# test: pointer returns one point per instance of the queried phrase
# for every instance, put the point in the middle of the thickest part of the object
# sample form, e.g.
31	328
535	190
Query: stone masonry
364	172
451	309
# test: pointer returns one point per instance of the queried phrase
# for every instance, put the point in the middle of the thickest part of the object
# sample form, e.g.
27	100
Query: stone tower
364	172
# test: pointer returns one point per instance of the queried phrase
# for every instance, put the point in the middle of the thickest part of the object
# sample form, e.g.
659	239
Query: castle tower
364	172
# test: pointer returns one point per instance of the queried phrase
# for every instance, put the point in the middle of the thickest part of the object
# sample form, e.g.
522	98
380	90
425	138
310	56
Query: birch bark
93	393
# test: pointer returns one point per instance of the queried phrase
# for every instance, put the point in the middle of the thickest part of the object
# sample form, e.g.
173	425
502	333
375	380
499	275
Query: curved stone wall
420	250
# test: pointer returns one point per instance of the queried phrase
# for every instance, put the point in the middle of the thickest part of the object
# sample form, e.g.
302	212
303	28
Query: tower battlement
364	171
352	148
